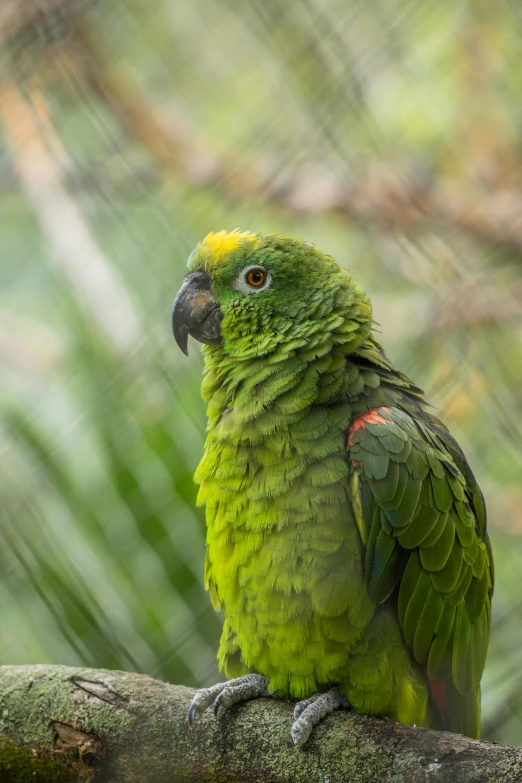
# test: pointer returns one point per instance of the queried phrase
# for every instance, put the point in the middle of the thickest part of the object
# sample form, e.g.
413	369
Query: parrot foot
225	694
311	711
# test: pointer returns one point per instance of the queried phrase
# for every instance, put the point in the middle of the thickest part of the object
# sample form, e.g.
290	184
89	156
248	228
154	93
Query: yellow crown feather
221	243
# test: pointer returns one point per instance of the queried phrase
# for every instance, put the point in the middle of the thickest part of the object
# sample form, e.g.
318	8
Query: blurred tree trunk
65	724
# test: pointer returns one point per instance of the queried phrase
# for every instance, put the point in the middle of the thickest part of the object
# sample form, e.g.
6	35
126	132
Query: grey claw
300	732
309	712
301	706
243	689
218	701
191	714
224	694
203	699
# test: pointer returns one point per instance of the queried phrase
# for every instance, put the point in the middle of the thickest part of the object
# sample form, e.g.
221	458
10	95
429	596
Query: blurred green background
388	132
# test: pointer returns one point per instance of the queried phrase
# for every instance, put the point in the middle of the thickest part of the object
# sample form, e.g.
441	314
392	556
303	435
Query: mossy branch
75	725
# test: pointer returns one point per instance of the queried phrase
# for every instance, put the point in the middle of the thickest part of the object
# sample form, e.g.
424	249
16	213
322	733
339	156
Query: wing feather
427	536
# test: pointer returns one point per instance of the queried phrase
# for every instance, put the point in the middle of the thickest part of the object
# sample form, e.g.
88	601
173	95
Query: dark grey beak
196	312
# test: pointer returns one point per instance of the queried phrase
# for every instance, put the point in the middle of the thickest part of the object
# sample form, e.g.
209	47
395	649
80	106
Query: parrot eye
253	279
256	277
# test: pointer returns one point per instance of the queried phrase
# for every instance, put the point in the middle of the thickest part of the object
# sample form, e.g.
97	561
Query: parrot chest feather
284	554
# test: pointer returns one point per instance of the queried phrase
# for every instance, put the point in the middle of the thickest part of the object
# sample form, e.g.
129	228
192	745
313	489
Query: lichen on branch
68	725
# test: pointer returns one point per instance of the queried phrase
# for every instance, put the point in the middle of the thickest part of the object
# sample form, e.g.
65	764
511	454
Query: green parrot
346	534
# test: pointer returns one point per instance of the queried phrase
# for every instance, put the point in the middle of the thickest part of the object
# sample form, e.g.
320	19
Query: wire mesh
388	133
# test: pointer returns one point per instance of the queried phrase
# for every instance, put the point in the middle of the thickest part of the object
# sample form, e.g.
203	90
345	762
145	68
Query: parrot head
249	294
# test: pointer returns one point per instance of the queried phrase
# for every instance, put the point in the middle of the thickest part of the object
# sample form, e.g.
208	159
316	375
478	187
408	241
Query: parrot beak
196	312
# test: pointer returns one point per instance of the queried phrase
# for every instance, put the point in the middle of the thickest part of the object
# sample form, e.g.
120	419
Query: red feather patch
437	691
370	417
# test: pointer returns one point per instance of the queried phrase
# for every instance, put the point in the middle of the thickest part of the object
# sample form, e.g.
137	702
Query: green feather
465	513
479	645
447	578
390	437
419	528
409	580
465	527
428	620
404	455
436	531
462	671
434	557
401	489
388	563
440	655
471	550
375	529
365	444
385	488
476	597
375	466
417	463
480	561
442	494
415	606
462	710
402	515
464	581
455	483
436	466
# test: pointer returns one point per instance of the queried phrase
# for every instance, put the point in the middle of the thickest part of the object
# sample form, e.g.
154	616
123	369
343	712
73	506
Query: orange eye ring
256	277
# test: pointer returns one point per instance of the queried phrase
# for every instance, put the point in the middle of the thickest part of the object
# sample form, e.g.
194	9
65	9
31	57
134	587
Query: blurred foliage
388	133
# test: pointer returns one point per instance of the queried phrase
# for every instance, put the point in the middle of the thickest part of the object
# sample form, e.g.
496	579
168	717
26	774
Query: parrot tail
457	712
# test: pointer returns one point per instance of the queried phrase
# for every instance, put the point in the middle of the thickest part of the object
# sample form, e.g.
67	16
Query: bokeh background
388	132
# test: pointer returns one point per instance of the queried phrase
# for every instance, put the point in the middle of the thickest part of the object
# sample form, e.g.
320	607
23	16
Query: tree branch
86	725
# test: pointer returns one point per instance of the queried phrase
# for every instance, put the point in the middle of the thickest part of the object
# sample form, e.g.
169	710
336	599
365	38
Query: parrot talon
301	706
225	694
203	699
309	712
